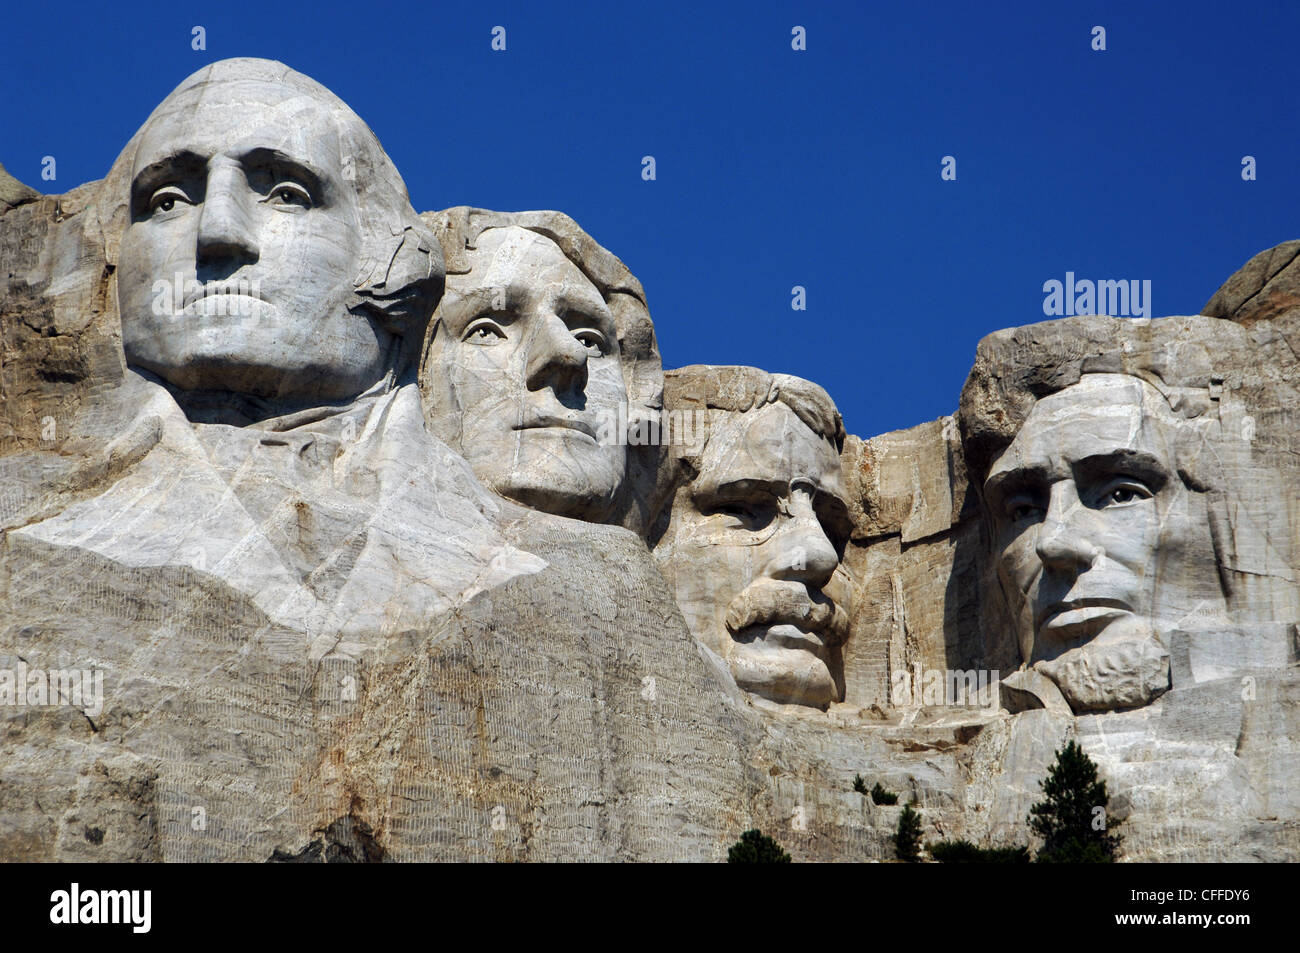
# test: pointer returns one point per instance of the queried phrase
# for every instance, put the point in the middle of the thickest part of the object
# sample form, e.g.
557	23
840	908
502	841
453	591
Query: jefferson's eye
483	332
592	340
165	199
291	193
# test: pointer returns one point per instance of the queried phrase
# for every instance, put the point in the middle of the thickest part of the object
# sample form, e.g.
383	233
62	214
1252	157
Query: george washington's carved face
243	247
525	376
1095	534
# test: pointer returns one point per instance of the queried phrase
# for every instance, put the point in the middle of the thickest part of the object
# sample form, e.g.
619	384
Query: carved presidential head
265	244
540	352
1108	509
753	536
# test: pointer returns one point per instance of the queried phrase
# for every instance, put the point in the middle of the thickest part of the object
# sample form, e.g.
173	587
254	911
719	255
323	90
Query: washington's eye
165	199
484	332
291	193
592	340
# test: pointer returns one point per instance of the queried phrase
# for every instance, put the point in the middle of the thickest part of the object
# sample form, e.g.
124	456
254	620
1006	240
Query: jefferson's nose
226	235
804	553
1063	537
556	359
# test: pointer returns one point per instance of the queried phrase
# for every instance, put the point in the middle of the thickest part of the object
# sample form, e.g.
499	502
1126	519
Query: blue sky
775	168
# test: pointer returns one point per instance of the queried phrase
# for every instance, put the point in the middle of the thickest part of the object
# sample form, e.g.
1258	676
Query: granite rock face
417	553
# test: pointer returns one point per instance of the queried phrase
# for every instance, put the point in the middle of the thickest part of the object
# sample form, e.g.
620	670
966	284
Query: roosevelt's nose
556	359
804	553
1064	542
226	236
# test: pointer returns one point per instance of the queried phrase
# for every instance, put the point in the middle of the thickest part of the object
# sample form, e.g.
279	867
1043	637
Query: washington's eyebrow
261	156
184	163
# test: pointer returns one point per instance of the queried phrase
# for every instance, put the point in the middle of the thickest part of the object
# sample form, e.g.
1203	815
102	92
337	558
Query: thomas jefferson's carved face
1093	530
525	376
752	552
243	247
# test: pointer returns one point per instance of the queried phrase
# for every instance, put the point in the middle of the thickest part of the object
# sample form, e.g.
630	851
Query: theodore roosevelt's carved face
524	376
753	551
243	247
1092	527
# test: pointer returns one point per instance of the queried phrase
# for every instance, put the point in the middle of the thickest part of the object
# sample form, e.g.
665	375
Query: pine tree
907	841
755	847
1072	817
859	785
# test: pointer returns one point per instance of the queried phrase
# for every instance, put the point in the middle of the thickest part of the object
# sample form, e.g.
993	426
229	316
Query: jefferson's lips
564	423
1077	612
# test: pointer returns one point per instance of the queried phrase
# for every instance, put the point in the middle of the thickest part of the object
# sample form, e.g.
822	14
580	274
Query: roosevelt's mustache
771	602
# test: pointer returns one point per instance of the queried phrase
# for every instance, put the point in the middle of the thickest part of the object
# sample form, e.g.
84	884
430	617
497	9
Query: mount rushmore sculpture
387	536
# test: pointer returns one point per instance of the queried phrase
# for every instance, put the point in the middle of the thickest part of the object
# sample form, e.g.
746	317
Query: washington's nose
226	237
556	358
1063	537
804	552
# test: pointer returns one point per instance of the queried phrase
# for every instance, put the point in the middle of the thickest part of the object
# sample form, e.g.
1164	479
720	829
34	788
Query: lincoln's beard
1126	671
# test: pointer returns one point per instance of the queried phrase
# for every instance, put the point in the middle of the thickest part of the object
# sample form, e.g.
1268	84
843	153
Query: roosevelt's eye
289	194
483	332
165	199
746	514
592	340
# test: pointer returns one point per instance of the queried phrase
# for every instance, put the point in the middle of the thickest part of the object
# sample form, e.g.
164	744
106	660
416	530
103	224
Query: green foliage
880	796
859	785
907	841
964	852
1072	818
755	847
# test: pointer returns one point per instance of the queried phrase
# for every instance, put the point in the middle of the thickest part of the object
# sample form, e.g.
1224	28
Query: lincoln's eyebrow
1136	463
1006	482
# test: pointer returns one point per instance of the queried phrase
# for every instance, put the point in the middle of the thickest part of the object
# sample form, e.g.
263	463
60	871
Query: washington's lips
1079	614
810	622
546	421
227	289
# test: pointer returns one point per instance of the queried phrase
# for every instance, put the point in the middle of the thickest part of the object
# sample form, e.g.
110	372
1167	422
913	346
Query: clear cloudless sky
775	167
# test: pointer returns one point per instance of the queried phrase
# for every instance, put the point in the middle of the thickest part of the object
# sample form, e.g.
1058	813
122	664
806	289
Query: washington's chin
783	664
253	353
